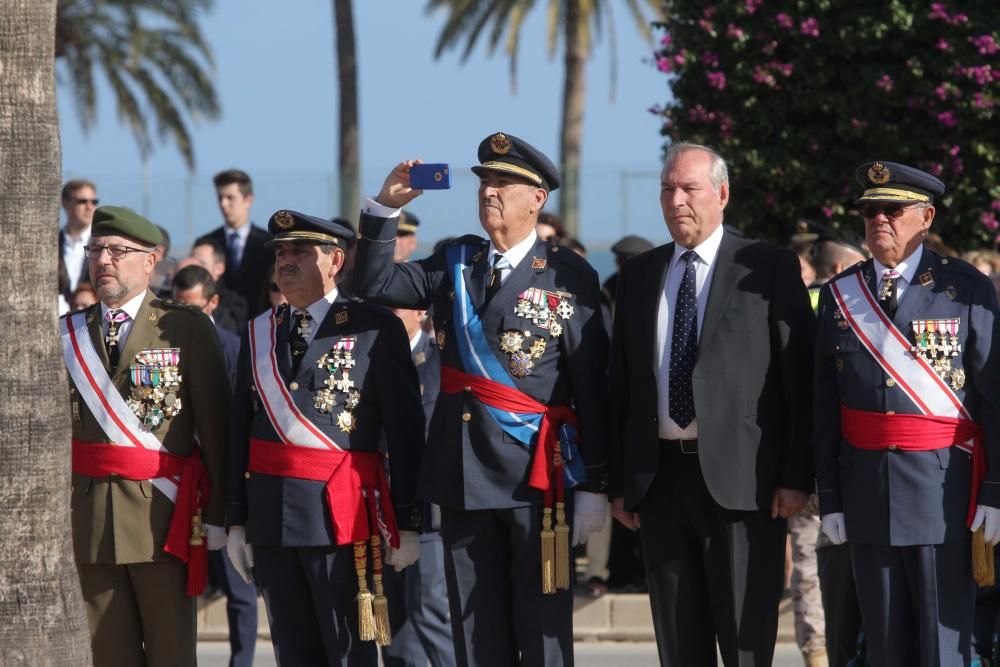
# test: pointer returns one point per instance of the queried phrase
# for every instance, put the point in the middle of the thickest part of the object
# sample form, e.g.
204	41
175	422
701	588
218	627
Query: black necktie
500	264
114	319
684	345
887	293
297	339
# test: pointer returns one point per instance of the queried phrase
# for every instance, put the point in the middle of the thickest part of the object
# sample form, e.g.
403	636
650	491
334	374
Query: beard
113	292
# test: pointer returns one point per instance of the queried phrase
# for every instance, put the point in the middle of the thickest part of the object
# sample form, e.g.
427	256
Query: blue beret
896	183
301	228
508	154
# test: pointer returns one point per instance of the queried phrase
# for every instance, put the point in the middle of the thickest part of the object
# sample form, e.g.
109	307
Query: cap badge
500	143
283	219
879	174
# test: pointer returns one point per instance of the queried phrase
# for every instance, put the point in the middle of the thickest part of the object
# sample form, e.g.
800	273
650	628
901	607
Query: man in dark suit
248	256
322	383
710	419
906	424
522	348
79	201
232	312
150	406
193	285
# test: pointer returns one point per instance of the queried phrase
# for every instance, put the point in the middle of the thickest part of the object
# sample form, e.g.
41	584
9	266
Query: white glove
407	553
240	553
590	511
215	537
989	518
834	528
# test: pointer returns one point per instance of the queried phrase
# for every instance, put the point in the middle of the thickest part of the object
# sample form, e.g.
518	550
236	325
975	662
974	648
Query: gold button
467	388
892	448
253	387
890	383
890	412
246	475
944	260
293	386
466	417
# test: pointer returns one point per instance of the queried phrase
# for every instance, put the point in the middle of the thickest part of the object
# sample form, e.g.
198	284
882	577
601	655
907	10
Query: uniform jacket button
892	448
466	416
890	383
246	475
294	386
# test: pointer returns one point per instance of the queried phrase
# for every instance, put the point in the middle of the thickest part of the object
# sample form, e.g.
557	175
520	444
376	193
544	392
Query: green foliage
796	94
152	54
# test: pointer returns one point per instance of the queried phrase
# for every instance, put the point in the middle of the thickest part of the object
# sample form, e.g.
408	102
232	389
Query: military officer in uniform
516	447
322	381
150	398
906	418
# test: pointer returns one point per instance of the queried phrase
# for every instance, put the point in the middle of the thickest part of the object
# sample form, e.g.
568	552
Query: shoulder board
567	257
167	302
956	265
469	239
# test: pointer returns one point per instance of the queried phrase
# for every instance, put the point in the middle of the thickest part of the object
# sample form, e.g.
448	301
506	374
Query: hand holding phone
430	176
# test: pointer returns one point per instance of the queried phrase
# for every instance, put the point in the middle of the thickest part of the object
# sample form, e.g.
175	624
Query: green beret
119	221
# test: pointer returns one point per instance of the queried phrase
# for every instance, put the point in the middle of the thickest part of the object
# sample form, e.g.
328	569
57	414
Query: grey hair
718	173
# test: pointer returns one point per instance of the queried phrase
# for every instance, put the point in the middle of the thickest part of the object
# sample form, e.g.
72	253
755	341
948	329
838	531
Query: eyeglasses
891	211
116	251
93	202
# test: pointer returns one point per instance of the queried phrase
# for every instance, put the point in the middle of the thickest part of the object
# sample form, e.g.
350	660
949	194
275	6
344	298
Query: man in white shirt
79	201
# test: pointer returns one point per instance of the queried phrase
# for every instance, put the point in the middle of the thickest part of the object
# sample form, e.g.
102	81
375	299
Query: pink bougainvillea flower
986	45
664	64
716	80
752	5
989	221
942	44
733	32
710	59
810	27
947	118
885	83
784	20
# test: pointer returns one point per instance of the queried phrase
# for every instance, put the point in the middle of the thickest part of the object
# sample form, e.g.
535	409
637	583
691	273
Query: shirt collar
131	306
82	240
906	269
416	340
320	307
242	233
706	251
517	253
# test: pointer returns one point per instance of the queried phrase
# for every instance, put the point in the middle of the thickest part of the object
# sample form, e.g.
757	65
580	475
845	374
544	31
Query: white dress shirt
74	255
513	255
704	265
317	311
132	308
906	270
241	235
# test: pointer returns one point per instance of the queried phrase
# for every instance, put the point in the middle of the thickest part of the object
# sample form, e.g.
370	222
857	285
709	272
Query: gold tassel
982	559
366	616
562	547
380	606
548	553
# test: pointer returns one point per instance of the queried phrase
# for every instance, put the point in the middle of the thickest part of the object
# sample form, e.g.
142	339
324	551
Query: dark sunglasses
95	202
891	211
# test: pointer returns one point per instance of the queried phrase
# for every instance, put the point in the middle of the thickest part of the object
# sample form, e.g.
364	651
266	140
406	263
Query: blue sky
276	83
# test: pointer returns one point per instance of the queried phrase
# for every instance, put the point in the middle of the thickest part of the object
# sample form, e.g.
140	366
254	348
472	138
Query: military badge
337	362
156	383
926	279
879	174
838	317
451	295
544	308
440	337
152	317
537	348
283	219
500	143
520	364
510	341
951	292
538	263
345	420
937	342
957	379
419	359
341	317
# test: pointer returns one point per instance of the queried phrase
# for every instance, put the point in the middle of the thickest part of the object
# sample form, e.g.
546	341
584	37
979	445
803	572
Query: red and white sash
112	413
293	427
893	352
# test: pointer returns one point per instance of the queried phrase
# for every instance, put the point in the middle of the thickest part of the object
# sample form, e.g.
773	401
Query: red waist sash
507	398
352	479
135	463
875	430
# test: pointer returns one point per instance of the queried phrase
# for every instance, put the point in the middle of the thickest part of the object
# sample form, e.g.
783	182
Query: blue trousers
241	607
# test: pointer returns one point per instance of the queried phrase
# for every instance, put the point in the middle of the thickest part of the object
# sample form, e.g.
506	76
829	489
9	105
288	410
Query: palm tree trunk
42	620
348	157
572	121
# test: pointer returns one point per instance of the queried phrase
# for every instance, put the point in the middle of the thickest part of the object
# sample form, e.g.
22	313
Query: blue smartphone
436	176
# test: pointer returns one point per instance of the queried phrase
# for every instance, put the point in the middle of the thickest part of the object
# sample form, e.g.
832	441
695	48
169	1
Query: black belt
685	445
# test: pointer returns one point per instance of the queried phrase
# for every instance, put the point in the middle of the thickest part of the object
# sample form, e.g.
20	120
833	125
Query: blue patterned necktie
684	345
233	251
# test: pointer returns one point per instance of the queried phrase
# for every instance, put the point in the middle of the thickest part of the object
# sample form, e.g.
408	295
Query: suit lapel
721	288
655	279
141	335
917	297
96	331
475	278
282	353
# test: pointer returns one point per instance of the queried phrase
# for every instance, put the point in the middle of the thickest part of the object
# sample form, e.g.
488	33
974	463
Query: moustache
288	270
491	201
